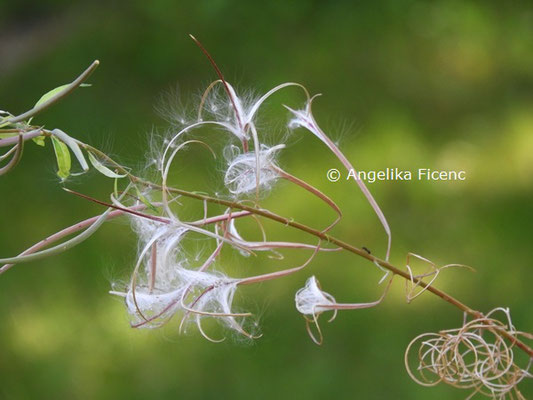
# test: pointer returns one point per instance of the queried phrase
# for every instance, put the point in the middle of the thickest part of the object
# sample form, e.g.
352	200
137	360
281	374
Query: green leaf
47	96
62	157
55	91
145	200
102	168
74	146
39	140
4	120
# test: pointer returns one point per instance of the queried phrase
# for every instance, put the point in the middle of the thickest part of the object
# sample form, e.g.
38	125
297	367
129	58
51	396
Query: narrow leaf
102	168
145	200
63	158
73	144
52	93
55	91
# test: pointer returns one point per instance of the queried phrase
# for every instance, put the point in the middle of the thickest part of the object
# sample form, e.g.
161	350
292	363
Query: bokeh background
407	84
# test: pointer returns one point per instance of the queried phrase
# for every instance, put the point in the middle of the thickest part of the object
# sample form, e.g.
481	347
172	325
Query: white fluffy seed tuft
311	300
242	175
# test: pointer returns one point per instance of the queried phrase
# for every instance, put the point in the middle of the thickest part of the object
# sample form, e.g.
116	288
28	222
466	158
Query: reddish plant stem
355	250
324	236
66	232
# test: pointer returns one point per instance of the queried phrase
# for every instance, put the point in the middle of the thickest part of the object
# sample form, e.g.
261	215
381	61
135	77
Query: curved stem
25	136
219	73
16	157
58	96
69	231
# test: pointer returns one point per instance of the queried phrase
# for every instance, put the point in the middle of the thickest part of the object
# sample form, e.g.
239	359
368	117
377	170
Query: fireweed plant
479	355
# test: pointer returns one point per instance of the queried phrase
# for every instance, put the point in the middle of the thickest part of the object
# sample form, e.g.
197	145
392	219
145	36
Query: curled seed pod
476	356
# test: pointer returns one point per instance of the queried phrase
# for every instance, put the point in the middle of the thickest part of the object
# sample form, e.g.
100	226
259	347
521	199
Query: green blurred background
408	84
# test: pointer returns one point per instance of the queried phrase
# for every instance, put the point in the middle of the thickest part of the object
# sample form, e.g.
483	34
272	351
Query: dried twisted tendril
475	356
415	286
